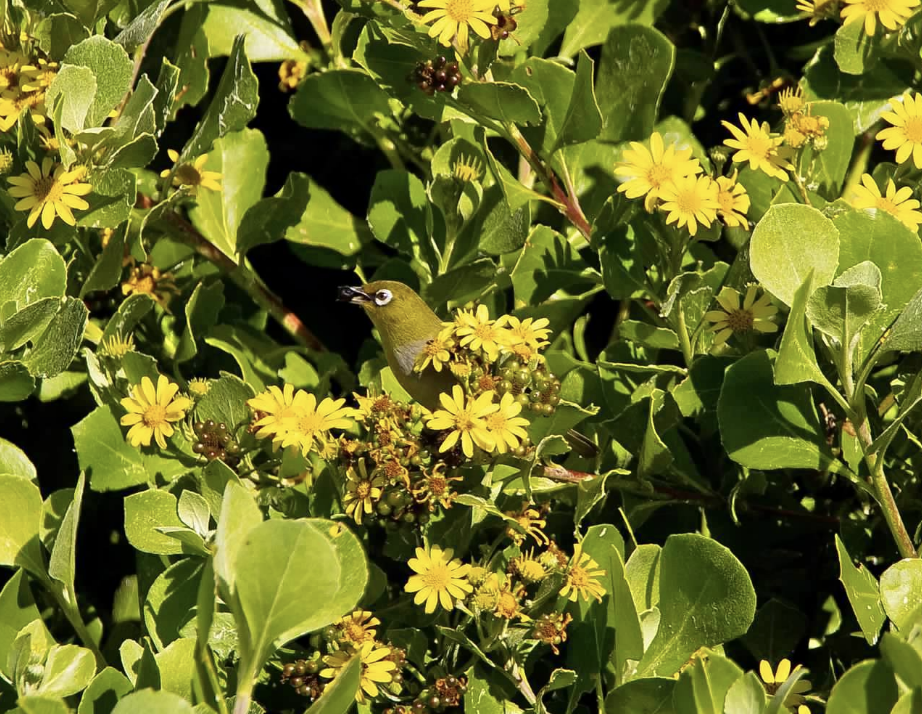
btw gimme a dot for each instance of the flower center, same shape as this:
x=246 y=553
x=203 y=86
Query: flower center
x=885 y=204
x=459 y=10
x=913 y=130
x=437 y=485
x=496 y=421
x=486 y=333
x=188 y=175
x=309 y=423
x=438 y=577
x=48 y=190
x=740 y=320
x=578 y=577
x=507 y=606
x=688 y=202
x=354 y=632
x=658 y=175
x=759 y=145
x=145 y=285
x=434 y=347
x=154 y=416
x=464 y=421
x=725 y=200
x=363 y=490
x=876 y=5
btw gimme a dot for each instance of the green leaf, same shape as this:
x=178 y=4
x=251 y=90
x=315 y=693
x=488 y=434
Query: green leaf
x=20 y=520
x=143 y=26
x=502 y=101
x=530 y=23
x=17 y=609
x=867 y=688
x=878 y=237
x=776 y=631
x=790 y=241
x=863 y=593
x=102 y=452
x=231 y=109
x=89 y=10
x=340 y=99
x=147 y=511
x=906 y=333
x=69 y=669
x=176 y=675
x=642 y=571
x=651 y=695
x=831 y=164
x=27 y=324
x=202 y=311
x=113 y=70
x=153 y=702
x=796 y=361
x=241 y=158
x=15 y=382
x=842 y=309
x=36 y=704
x=33 y=271
x=552 y=86
x=114 y=194
x=239 y=516
x=276 y=574
x=397 y=211
x=703 y=685
x=596 y=18
x=62 y=564
x=13 y=461
x=854 y=51
x=269 y=219
x=583 y=120
x=171 y=600
x=462 y=284
x=56 y=33
x=269 y=35
x=75 y=87
x=648 y=335
x=546 y=264
x=226 y=402
x=326 y=224
x=746 y=696
x=498 y=230
x=104 y=691
x=56 y=348
x=108 y=269
x=339 y=695
x=901 y=591
x=706 y=599
x=769 y=426
x=635 y=67
x=903 y=657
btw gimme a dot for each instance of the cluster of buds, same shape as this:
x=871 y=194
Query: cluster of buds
x=214 y=441
x=444 y=694
x=800 y=126
x=533 y=386
x=302 y=676
x=438 y=75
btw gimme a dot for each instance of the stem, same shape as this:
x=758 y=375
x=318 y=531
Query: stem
x=313 y=10
x=859 y=164
x=684 y=341
x=247 y=279
x=799 y=182
x=69 y=606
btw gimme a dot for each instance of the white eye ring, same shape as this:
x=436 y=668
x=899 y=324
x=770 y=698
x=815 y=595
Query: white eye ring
x=383 y=297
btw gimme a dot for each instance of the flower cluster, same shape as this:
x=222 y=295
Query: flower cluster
x=668 y=178
x=24 y=80
x=801 y=127
x=892 y=14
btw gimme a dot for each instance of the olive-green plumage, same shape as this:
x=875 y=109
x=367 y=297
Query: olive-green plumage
x=406 y=323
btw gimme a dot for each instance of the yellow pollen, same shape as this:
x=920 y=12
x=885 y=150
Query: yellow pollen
x=913 y=130
x=437 y=485
x=725 y=200
x=578 y=577
x=463 y=421
x=485 y=332
x=496 y=421
x=310 y=422
x=145 y=285
x=154 y=416
x=48 y=189
x=438 y=577
x=434 y=347
x=740 y=320
x=687 y=202
x=885 y=204
x=363 y=490
x=658 y=174
x=877 y=5
x=759 y=145
x=459 y=10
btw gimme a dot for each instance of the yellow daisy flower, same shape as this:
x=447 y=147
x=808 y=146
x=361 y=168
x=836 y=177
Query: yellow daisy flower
x=774 y=680
x=689 y=201
x=733 y=201
x=311 y=422
x=531 y=522
x=791 y=101
x=117 y=346
x=147 y=279
x=751 y=315
x=467 y=169
x=436 y=352
x=455 y=18
x=376 y=669
x=150 y=411
x=465 y=417
x=582 y=577
x=648 y=170
x=891 y=13
x=276 y=411
x=38 y=77
x=13 y=103
x=756 y=144
x=49 y=191
x=479 y=333
x=192 y=176
x=818 y=9
x=529 y=331
x=906 y=133
x=363 y=491
x=897 y=203
x=357 y=627
x=505 y=425
x=439 y=580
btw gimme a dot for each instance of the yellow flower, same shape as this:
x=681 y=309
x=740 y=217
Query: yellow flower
x=533 y=333
x=649 y=170
x=582 y=577
x=13 y=103
x=150 y=412
x=311 y=422
x=363 y=491
x=751 y=315
x=198 y=387
x=117 y=346
x=529 y=519
x=897 y=202
x=50 y=191
x=759 y=147
x=467 y=169
x=906 y=133
x=149 y=280
x=505 y=425
x=465 y=417
x=38 y=77
x=774 y=680
x=436 y=352
x=733 y=201
x=791 y=101
x=376 y=669
x=690 y=201
x=507 y=605
x=6 y=160
x=357 y=627
x=291 y=72
x=528 y=568
x=818 y=9
x=479 y=333
x=439 y=580
x=276 y=411
x=891 y=13
x=457 y=17
x=192 y=176
x=802 y=126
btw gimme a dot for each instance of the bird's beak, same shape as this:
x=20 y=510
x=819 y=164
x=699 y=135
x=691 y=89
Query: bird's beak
x=356 y=296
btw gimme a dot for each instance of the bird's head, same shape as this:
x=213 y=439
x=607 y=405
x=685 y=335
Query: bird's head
x=400 y=315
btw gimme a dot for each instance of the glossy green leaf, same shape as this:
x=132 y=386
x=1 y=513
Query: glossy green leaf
x=339 y=99
x=69 y=669
x=903 y=657
x=112 y=68
x=14 y=461
x=796 y=361
x=57 y=346
x=239 y=515
x=906 y=333
x=501 y=101
x=269 y=35
x=17 y=609
x=703 y=685
x=901 y=591
x=102 y=452
x=863 y=594
x=20 y=520
x=101 y=696
x=867 y=688
x=596 y=18
x=15 y=381
x=706 y=598
x=583 y=120
x=650 y=695
x=830 y=165
x=271 y=219
x=854 y=51
x=226 y=402
x=842 y=309
x=642 y=571
x=144 y=513
x=326 y=224
x=33 y=271
x=62 y=564
x=171 y=600
x=776 y=631
x=153 y=702
x=75 y=88
x=745 y=696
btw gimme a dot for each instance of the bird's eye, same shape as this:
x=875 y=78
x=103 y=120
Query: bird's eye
x=383 y=297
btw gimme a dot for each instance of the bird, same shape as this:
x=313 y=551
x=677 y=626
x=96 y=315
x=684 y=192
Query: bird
x=406 y=324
